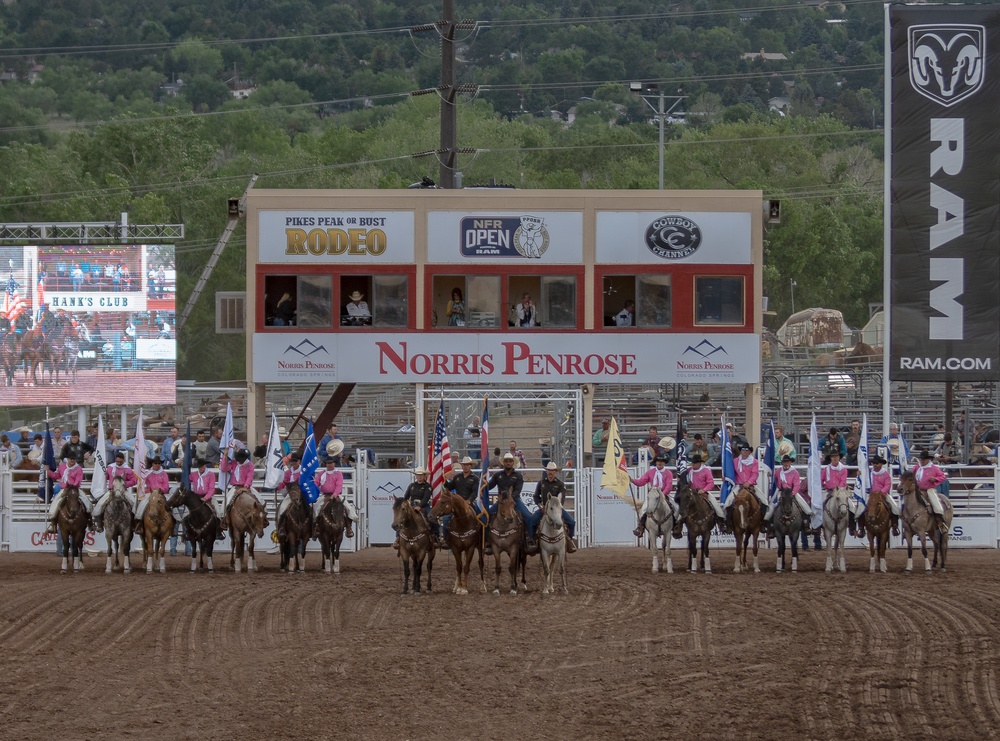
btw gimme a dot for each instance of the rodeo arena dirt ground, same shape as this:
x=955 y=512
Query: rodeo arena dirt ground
x=627 y=654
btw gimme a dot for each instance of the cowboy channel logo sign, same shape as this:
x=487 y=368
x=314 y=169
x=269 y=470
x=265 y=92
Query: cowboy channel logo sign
x=524 y=236
x=673 y=237
x=947 y=61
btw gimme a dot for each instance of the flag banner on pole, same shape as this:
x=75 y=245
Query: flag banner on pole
x=14 y=304
x=813 y=477
x=440 y=455
x=310 y=462
x=187 y=460
x=681 y=452
x=226 y=447
x=99 y=480
x=482 y=513
x=48 y=463
x=139 y=453
x=615 y=477
x=863 y=482
x=728 y=464
x=771 y=459
x=274 y=465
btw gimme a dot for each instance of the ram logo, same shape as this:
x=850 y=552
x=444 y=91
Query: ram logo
x=947 y=61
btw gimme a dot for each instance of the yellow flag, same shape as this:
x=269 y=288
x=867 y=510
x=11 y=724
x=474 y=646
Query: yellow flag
x=615 y=475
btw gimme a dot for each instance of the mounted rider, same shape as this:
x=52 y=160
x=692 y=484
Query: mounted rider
x=659 y=477
x=330 y=482
x=465 y=485
x=929 y=477
x=510 y=479
x=788 y=478
x=293 y=472
x=552 y=486
x=833 y=476
x=241 y=473
x=418 y=494
x=115 y=470
x=69 y=473
x=156 y=478
x=882 y=483
x=203 y=483
x=703 y=483
x=747 y=472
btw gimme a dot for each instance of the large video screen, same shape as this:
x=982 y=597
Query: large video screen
x=82 y=324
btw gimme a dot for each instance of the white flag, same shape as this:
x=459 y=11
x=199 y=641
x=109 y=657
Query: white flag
x=99 y=481
x=864 y=480
x=274 y=468
x=139 y=454
x=226 y=447
x=813 y=476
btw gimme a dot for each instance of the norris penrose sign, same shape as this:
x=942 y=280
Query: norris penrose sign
x=548 y=357
x=944 y=194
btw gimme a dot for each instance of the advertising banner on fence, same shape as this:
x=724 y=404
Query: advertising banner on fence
x=382 y=487
x=944 y=193
x=549 y=357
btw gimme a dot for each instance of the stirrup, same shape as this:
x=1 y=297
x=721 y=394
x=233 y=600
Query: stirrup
x=571 y=546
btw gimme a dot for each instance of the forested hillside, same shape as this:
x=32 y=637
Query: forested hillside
x=165 y=108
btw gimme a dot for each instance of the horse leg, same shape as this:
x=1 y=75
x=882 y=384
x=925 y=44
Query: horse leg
x=111 y=543
x=829 y=549
x=780 y=566
x=706 y=539
x=561 y=560
x=251 y=561
x=406 y=573
x=457 y=588
x=651 y=539
x=944 y=547
x=795 y=553
x=909 y=552
x=147 y=549
x=692 y=552
x=512 y=570
x=546 y=573
x=665 y=533
x=740 y=546
x=923 y=551
x=496 y=564
x=238 y=552
x=841 y=560
x=871 y=551
x=163 y=553
x=883 y=539
x=418 y=563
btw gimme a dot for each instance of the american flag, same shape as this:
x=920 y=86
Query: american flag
x=14 y=305
x=440 y=455
x=482 y=504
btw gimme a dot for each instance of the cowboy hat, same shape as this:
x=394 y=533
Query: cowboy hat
x=552 y=466
x=334 y=448
x=667 y=442
x=508 y=457
x=545 y=441
x=419 y=471
x=467 y=461
x=925 y=454
x=282 y=431
x=786 y=458
x=356 y=296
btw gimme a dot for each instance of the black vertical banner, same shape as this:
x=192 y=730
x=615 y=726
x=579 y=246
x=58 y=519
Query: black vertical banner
x=944 y=205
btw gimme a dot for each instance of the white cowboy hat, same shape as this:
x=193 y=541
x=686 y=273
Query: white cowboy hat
x=467 y=461
x=545 y=441
x=552 y=466
x=667 y=442
x=334 y=448
x=507 y=456
x=282 y=431
x=419 y=470
x=356 y=296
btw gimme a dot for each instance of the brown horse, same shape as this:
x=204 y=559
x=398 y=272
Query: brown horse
x=464 y=535
x=330 y=527
x=34 y=352
x=918 y=520
x=157 y=527
x=416 y=543
x=297 y=530
x=246 y=521
x=507 y=535
x=699 y=517
x=748 y=518
x=877 y=524
x=73 y=519
x=10 y=356
x=201 y=526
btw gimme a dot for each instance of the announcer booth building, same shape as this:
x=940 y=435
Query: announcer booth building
x=689 y=260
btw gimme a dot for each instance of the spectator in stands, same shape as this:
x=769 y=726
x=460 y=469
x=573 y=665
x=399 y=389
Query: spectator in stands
x=75 y=448
x=92 y=436
x=212 y=452
x=200 y=444
x=36 y=452
x=177 y=451
x=331 y=435
x=715 y=447
x=545 y=449
x=699 y=445
x=473 y=436
x=626 y=317
x=851 y=455
x=518 y=455
x=938 y=436
x=14 y=452
x=948 y=453
x=836 y=440
x=166 y=452
x=495 y=458
x=652 y=441
x=600 y=439
x=785 y=446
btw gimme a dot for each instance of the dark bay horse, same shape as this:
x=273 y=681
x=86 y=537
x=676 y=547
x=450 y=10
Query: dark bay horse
x=699 y=517
x=297 y=530
x=117 y=519
x=330 y=526
x=464 y=535
x=416 y=543
x=72 y=519
x=507 y=535
x=919 y=521
x=246 y=524
x=748 y=518
x=787 y=521
x=10 y=356
x=877 y=523
x=201 y=526
x=157 y=527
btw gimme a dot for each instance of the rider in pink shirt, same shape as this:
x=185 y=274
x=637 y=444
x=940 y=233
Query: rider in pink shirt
x=203 y=481
x=120 y=469
x=331 y=484
x=929 y=477
x=157 y=478
x=240 y=472
x=659 y=477
x=747 y=470
x=834 y=474
x=67 y=474
x=292 y=474
x=881 y=483
x=702 y=482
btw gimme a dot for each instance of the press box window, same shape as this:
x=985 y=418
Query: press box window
x=718 y=300
x=466 y=301
x=374 y=300
x=542 y=301
x=637 y=301
x=298 y=301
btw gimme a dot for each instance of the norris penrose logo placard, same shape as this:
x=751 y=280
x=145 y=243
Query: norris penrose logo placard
x=706 y=358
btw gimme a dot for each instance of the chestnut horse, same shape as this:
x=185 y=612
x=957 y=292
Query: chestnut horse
x=246 y=524
x=72 y=518
x=296 y=532
x=748 y=517
x=330 y=528
x=507 y=535
x=699 y=516
x=416 y=543
x=918 y=520
x=877 y=524
x=201 y=526
x=157 y=527
x=464 y=535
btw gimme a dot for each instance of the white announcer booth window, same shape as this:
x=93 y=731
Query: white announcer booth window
x=637 y=301
x=719 y=299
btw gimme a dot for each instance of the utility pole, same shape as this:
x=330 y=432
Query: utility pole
x=661 y=111
x=449 y=117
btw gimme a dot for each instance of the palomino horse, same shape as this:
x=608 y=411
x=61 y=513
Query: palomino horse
x=787 y=522
x=330 y=526
x=877 y=524
x=507 y=536
x=659 y=524
x=246 y=524
x=117 y=518
x=836 y=514
x=157 y=527
x=72 y=519
x=464 y=535
x=297 y=530
x=699 y=517
x=201 y=526
x=416 y=543
x=748 y=517
x=920 y=521
x=552 y=544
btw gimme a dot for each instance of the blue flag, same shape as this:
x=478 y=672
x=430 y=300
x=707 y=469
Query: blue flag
x=482 y=502
x=728 y=466
x=310 y=462
x=186 y=465
x=771 y=457
x=49 y=461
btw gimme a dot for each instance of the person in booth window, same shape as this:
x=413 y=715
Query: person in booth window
x=284 y=312
x=626 y=317
x=358 y=313
x=526 y=312
x=455 y=310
